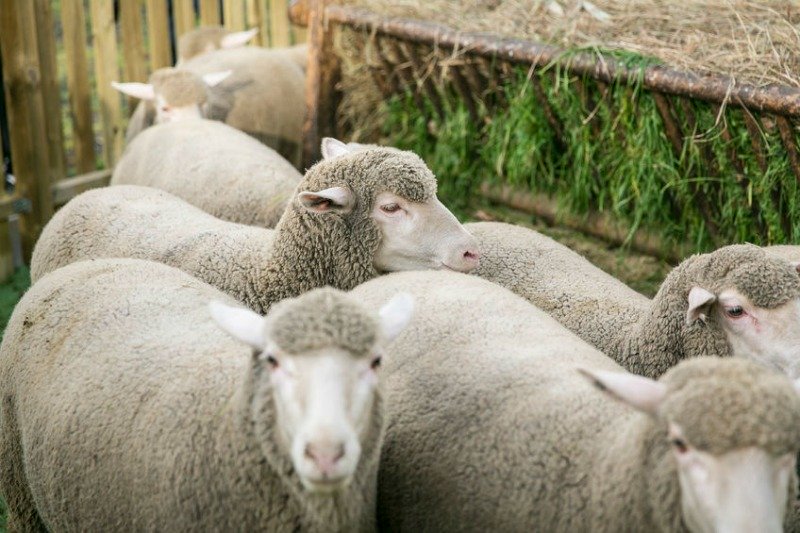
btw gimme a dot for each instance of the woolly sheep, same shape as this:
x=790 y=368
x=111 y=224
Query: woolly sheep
x=355 y=215
x=491 y=427
x=209 y=38
x=154 y=419
x=178 y=94
x=212 y=166
x=736 y=301
x=263 y=97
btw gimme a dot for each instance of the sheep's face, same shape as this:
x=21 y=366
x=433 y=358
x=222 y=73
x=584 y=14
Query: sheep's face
x=421 y=235
x=741 y=490
x=316 y=378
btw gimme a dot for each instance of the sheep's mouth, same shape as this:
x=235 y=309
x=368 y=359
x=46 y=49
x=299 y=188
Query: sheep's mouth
x=325 y=485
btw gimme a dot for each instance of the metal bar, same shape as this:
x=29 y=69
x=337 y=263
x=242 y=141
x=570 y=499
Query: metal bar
x=427 y=85
x=463 y=90
x=552 y=119
x=780 y=100
x=406 y=76
x=785 y=129
x=388 y=68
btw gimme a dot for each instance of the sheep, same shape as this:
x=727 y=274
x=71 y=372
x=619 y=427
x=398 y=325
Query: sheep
x=212 y=166
x=177 y=94
x=492 y=427
x=354 y=216
x=209 y=38
x=263 y=97
x=155 y=419
x=738 y=300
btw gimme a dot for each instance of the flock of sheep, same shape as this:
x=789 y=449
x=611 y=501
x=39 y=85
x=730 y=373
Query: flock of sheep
x=371 y=362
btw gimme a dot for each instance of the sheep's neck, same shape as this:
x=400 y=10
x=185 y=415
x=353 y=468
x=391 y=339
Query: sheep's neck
x=634 y=482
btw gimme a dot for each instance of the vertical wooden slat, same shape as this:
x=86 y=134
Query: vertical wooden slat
x=104 y=44
x=234 y=15
x=279 y=34
x=23 y=93
x=133 y=44
x=158 y=27
x=183 y=16
x=256 y=18
x=209 y=13
x=322 y=76
x=51 y=94
x=73 y=22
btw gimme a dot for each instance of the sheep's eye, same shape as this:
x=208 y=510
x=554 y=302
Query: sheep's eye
x=679 y=445
x=375 y=363
x=735 y=311
x=272 y=362
x=390 y=208
x=165 y=109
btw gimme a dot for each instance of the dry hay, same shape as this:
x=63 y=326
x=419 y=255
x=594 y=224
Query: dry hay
x=753 y=41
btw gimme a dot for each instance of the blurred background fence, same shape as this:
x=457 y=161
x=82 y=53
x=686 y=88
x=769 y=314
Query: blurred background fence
x=62 y=126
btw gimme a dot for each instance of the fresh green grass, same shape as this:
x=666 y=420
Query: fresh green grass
x=10 y=293
x=614 y=156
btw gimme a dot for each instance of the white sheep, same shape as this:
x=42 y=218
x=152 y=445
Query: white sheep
x=354 y=216
x=212 y=166
x=492 y=427
x=739 y=300
x=209 y=38
x=263 y=97
x=126 y=408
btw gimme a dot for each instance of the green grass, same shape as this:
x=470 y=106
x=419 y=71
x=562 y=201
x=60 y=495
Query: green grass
x=613 y=156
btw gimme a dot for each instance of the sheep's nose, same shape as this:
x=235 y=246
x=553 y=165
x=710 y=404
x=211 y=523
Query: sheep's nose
x=464 y=258
x=325 y=455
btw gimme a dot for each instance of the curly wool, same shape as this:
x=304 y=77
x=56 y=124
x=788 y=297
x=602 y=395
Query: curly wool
x=490 y=427
x=212 y=166
x=321 y=318
x=179 y=87
x=153 y=418
x=646 y=337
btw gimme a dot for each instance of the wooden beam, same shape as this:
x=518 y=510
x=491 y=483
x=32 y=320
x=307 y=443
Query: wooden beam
x=279 y=32
x=209 y=13
x=66 y=190
x=51 y=92
x=183 y=16
x=158 y=25
x=322 y=76
x=23 y=93
x=233 y=11
x=257 y=18
x=104 y=38
x=133 y=46
x=73 y=22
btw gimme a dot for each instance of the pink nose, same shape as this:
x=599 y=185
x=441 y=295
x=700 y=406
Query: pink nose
x=325 y=456
x=467 y=260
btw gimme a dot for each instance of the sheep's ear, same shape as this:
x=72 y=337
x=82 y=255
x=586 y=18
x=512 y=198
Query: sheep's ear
x=639 y=392
x=396 y=314
x=239 y=38
x=338 y=199
x=215 y=78
x=240 y=323
x=142 y=91
x=332 y=148
x=699 y=300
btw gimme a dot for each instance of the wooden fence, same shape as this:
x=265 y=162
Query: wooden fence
x=66 y=123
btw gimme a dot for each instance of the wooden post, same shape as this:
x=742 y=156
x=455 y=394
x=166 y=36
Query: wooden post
x=73 y=22
x=256 y=18
x=104 y=40
x=234 y=15
x=158 y=25
x=51 y=94
x=322 y=76
x=183 y=16
x=23 y=93
x=133 y=45
x=209 y=13
x=279 y=34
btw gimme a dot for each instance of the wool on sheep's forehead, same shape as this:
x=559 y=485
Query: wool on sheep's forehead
x=322 y=318
x=766 y=281
x=195 y=42
x=375 y=171
x=179 y=87
x=724 y=404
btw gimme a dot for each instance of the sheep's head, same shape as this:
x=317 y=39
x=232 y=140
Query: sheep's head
x=755 y=299
x=209 y=38
x=729 y=429
x=177 y=94
x=319 y=356
x=394 y=192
